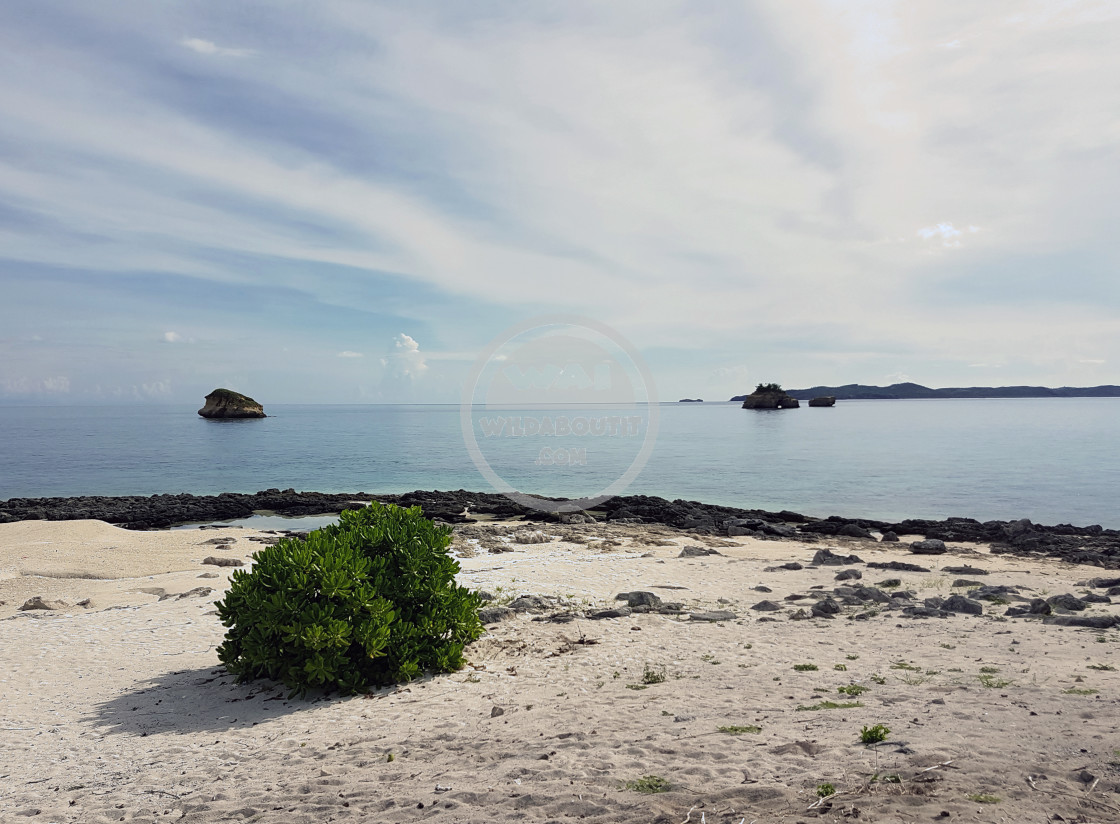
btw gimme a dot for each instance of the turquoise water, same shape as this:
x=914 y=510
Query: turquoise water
x=1053 y=460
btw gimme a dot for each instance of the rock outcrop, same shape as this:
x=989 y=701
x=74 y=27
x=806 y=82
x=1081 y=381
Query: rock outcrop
x=224 y=403
x=770 y=396
x=823 y=400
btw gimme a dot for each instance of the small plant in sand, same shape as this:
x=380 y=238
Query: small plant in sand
x=992 y=682
x=1102 y=667
x=825 y=790
x=830 y=705
x=852 y=657
x=648 y=784
x=654 y=676
x=873 y=735
x=878 y=679
x=1080 y=691
x=852 y=690
x=840 y=667
x=805 y=667
x=984 y=798
x=735 y=729
x=369 y=600
x=902 y=665
x=989 y=670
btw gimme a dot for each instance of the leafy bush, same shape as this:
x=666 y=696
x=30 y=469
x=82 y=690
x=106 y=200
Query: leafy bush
x=873 y=735
x=764 y=388
x=371 y=600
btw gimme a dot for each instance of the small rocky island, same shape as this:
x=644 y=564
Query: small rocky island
x=691 y=400
x=770 y=396
x=823 y=400
x=227 y=404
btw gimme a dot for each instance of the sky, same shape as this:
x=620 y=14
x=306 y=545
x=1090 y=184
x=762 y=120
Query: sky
x=348 y=201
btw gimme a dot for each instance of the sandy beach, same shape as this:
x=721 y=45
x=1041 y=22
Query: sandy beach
x=117 y=709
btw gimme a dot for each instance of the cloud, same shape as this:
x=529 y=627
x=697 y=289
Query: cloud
x=952 y=45
x=208 y=47
x=1092 y=361
x=404 y=363
x=346 y=353
x=172 y=337
x=58 y=385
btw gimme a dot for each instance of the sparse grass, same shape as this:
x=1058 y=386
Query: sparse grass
x=948 y=646
x=653 y=676
x=840 y=667
x=852 y=690
x=873 y=735
x=878 y=679
x=852 y=657
x=637 y=686
x=648 y=784
x=989 y=670
x=1080 y=691
x=991 y=682
x=666 y=712
x=984 y=798
x=913 y=679
x=825 y=790
x=902 y=665
x=709 y=658
x=1102 y=667
x=830 y=705
x=734 y=729
x=805 y=667
x=892 y=778
x=616 y=674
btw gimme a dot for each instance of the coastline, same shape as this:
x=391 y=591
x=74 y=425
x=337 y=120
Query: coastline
x=119 y=709
x=1077 y=544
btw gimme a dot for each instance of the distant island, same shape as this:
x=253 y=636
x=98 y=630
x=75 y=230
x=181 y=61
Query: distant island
x=691 y=400
x=907 y=391
x=227 y=404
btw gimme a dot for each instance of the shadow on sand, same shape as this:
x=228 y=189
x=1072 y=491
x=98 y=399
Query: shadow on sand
x=196 y=700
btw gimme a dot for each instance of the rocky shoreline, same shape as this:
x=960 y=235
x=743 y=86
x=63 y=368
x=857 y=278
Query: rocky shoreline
x=1083 y=545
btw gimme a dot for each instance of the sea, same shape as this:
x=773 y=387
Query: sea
x=1053 y=460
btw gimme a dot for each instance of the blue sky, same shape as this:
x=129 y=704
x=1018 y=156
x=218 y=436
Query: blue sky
x=347 y=201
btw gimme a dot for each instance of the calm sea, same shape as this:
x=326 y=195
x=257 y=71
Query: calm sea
x=1053 y=460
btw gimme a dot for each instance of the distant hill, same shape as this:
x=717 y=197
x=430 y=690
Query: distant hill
x=906 y=391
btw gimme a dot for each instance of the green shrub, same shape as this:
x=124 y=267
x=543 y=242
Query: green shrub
x=370 y=600
x=764 y=388
x=873 y=735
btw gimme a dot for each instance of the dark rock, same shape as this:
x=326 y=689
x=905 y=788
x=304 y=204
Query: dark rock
x=792 y=566
x=889 y=538
x=37 y=602
x=1038 y=607
x=485 y=597
x=492 y=615
x=696 y=552
x=222 y=562
x=496 y=711
x=533 y=603
x=766 y=606
x=1113 y=591
x=1090 y=621
x=823 y=400
x=924 y=612
x=897 y=566
x=964 y=582
x=761 y=588
x=826 y=608
x=1101 y=583
x=639 y=599
x=619 y=612
x=826 y=557
x=964 y=570
x=958 y=603
x=849 y=575
x=1094 y=598
x=714 y=615
x=999 y=593
x=930 y=546
x=934 y=602
x=890 y=582
x=670 y=608
x=1067 y=601
x=1017 y=529
x=854 y=531
x=226 y=404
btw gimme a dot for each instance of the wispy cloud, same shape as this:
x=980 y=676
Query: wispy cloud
x=346 y=353
x=172 y=337
x=201 y=46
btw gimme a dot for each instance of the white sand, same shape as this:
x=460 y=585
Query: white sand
x=119 y=711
